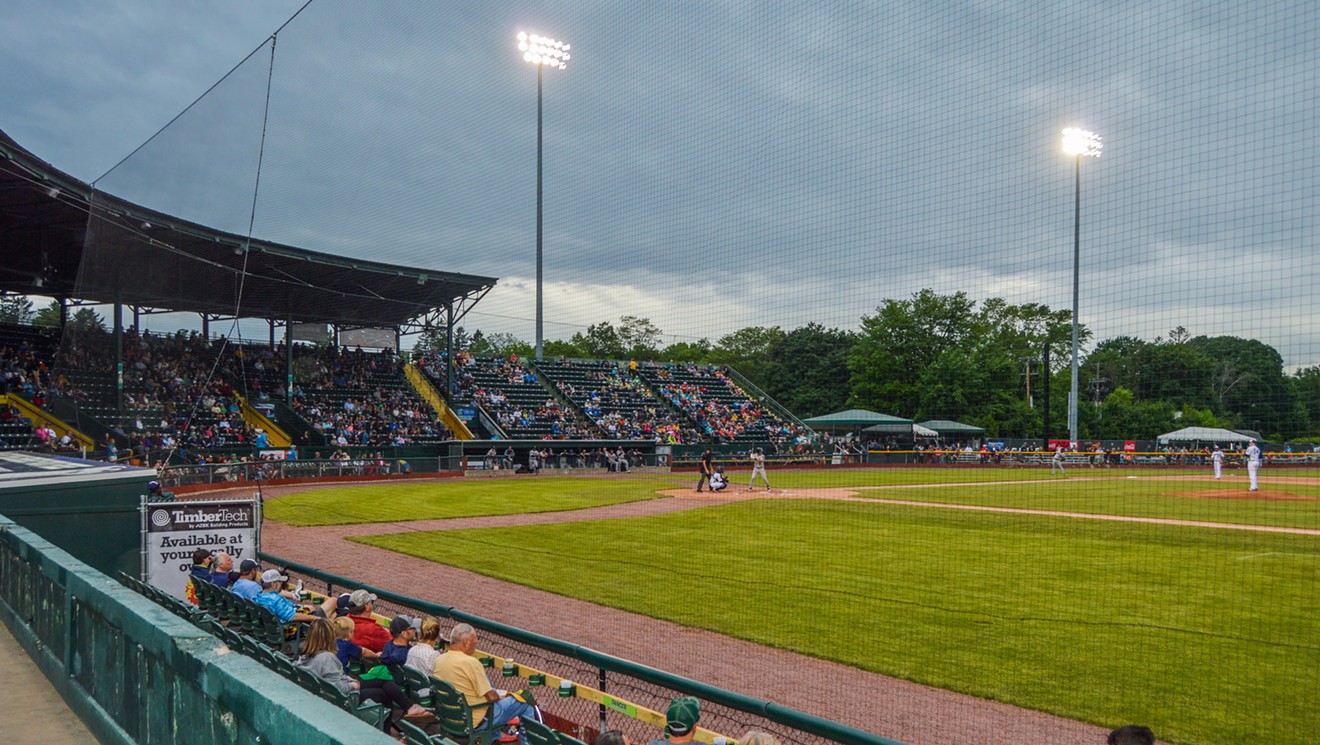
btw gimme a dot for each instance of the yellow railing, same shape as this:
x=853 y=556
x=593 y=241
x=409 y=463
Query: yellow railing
x=276 y=437
x=40 y=416
x=437 y=402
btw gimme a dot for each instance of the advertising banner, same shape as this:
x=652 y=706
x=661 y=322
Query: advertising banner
x=171 y=531
x=1129 y=446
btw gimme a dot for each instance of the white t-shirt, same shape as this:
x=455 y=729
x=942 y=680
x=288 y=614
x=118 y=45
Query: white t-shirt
x=422 y=657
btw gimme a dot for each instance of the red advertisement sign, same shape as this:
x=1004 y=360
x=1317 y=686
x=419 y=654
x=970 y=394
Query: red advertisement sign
x=1129 y=446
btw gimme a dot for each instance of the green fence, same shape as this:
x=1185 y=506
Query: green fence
x=135 y=673
x=722 y=711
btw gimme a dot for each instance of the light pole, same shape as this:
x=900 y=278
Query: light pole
x=540 y=51
x=1077 y=143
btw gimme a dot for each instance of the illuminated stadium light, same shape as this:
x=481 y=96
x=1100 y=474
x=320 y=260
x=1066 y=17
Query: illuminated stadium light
x=1077 y=143
x=543 y=52
x=1081 y=142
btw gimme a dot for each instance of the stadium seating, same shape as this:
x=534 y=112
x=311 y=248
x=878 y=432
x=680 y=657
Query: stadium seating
x=720 y=410
x=521 y=404
x=622 y=405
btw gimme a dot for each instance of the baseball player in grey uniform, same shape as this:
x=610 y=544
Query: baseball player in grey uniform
x=1253 y=464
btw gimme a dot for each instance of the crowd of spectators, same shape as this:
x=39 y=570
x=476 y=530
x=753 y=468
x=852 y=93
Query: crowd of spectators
x=623 y=406
x=722 y=411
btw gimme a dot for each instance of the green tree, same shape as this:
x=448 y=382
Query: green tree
x=803 y=369
x=85 y=319
x=49 y=316
x=601 y=340
x=16 y=309
x=688 y=351
x=639 y=338
x=748 y=350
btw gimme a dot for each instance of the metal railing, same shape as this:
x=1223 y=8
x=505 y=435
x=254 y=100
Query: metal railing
x=271 y=470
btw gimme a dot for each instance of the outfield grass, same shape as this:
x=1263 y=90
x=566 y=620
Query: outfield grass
x=1209 y=636
x=1142 y=497
x=398 y=501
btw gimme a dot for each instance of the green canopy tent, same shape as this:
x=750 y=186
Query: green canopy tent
x=949 y=430
x=857 y=420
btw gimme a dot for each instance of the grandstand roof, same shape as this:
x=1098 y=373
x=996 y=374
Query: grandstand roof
x=62 y=238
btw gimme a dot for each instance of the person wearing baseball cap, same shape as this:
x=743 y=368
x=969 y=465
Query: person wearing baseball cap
x=272 y=581
x=404 y=631
x=367 y=632
x=680 y=722
x=246 y=586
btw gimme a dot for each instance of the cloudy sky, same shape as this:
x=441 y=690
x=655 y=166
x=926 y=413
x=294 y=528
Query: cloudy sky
x=712 y=165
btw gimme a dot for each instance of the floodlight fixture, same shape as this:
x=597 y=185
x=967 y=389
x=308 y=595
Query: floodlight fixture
x=1081 y=142
x=543 y=51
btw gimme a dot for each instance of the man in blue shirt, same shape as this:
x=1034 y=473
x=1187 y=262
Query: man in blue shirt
x=404 y=629
x=246 y=586
x=283 y=608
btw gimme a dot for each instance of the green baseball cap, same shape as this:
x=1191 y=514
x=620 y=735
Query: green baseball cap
x=682 y=715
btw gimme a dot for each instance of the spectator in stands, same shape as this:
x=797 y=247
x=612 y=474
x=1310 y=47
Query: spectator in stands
x=246 y=585
x=680 y=722
x=612 y=737
x=1132 y=734
x=756 y=737
x=319 y=655
x=201 y=564
x=707 y=468
x=272 y=582
x=221 y=570
x=348 y=652
x=403 y=632
x=367 y=633
x=458 y=667
x=423 y=654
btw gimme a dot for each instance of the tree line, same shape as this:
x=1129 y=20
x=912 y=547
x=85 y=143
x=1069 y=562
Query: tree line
x=947 y=356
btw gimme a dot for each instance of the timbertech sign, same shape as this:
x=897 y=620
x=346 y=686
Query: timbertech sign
x=174 y=530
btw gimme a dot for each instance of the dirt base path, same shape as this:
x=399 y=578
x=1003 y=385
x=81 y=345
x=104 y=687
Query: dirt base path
x=912 y=713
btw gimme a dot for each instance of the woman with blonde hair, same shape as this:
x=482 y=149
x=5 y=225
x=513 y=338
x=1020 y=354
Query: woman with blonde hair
x=323 y=646
x=421 y=656
x=756 y=737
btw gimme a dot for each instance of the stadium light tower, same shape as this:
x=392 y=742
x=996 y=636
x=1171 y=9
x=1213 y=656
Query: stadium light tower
x=1077 y=143
x=543 y=52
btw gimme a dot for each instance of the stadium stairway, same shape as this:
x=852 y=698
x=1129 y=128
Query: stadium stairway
x=432 y=397
x=41 y=416
x=276 y=436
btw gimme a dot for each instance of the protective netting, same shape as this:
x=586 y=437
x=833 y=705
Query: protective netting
x=854 y=206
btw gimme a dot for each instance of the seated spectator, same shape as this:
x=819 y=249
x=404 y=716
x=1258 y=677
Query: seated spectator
x=756 y=737
x=612 y=737
x=422 y=655
x=272 y=599
x=680 y=722
x=367 y=633
x=221 y=570
x=349 y=653
x=1132 y=734
x=200 y=572
x=320 y=657
x=490 y=708
x=403 y=630
x=246 y=585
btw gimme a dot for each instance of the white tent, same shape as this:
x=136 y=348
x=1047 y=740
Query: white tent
x=1203 y=434
x=920 y=431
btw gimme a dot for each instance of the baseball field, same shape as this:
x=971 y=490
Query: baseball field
x=1109 y=597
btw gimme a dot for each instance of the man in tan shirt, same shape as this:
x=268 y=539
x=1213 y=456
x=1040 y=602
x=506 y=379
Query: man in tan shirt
x=458 y=667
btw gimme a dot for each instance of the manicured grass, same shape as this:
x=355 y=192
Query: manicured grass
x=1149 y=496
x=1208 y=636
x=444 y=499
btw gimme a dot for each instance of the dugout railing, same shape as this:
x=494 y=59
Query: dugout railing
x=587 y=691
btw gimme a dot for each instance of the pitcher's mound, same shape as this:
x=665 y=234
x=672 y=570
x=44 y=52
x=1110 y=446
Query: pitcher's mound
x=1262 y=495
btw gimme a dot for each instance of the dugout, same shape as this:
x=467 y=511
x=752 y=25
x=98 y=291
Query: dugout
x=88 y=508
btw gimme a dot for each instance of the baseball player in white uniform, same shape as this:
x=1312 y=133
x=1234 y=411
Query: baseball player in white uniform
x=758 y=469
x=1217 y=459
x=1056 y=463
x=1253 y=464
